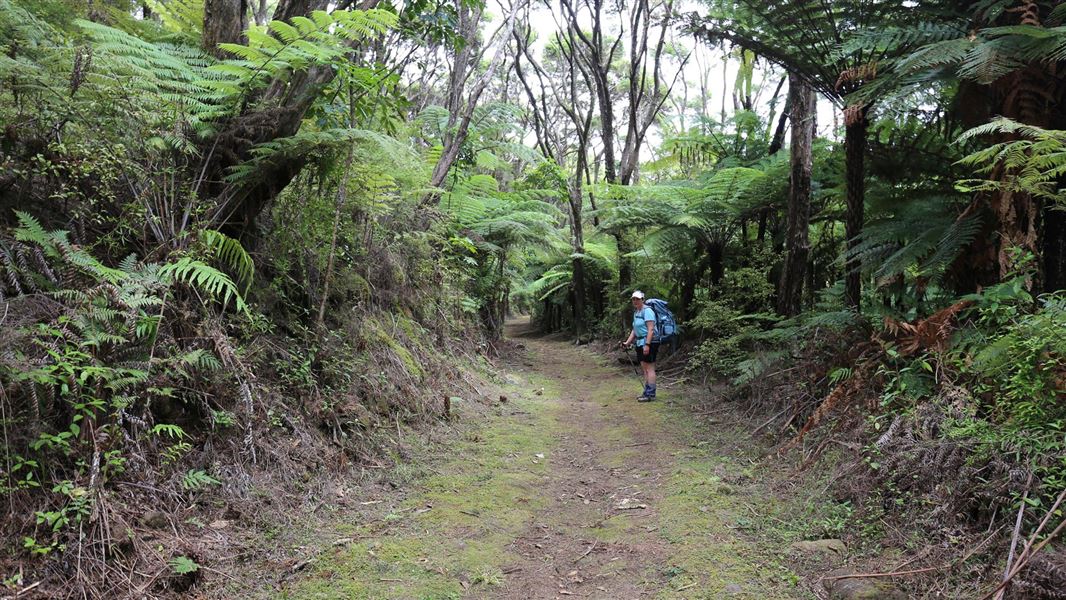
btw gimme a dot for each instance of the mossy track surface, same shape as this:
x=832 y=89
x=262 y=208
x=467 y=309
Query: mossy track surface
x=572 y=489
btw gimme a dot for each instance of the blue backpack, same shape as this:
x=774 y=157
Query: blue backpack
x=665 y=322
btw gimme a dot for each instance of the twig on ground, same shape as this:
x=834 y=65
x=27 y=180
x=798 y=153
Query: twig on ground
x=28 y=588
x=1014 y=536
x=1027 y=554
x=587 y=552
x=770 y=420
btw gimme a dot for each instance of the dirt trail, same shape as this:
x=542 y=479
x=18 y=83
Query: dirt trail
x=572 y=490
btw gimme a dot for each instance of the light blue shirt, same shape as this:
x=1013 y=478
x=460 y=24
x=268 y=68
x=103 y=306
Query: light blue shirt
x=640 y=324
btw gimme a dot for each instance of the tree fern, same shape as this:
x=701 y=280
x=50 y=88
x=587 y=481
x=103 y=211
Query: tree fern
x=181 y=17
x=922 y=238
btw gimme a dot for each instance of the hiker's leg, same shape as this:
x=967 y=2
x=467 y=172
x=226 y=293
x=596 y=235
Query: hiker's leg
x=650 y=372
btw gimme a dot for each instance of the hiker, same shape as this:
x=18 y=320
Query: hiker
x=643 y=333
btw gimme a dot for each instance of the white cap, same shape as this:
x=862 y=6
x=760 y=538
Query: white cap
x=638 y=294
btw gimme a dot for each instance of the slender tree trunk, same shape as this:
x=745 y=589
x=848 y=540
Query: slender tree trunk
x=803 y=102
x=342 y=199
x=261 y=14
x=578 y=264
x=855 y=125
x=625 y=274
x=778 y=140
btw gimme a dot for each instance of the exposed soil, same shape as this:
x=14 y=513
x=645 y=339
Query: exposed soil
x=572 y=489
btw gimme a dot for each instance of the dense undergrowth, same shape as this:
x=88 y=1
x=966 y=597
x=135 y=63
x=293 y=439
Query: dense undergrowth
x=940 y=435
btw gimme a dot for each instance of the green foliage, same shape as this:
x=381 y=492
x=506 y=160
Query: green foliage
x=230 y=253
x=319 y=39
x=729 y=325
x=183 y=565
x=196 y=479
x=202 y=276
x=100 y=364
x=1034 y=160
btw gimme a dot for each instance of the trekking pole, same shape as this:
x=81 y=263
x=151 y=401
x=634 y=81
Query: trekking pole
x=632 y=363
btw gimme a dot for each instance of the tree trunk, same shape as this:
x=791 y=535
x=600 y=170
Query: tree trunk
x=1053 y=250
x=779 y=133
x=798 y=247
x=578 y=265
x=855 y=124
x=224 y=23
x=716 y=253
x=260 y=13
x=625 y=275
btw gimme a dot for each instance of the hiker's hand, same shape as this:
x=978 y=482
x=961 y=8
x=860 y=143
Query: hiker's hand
x=647 y=349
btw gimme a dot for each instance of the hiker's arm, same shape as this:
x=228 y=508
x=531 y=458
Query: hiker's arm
x=651 y=332
x=631 y=338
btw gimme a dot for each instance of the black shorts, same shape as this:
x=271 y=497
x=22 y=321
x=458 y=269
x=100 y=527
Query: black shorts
x=650 y=356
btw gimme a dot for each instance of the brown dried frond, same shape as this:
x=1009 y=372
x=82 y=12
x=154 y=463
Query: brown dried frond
x=853 y=114
x=1029 y=11
x=857 y=74
x=842 y=392
x=931 y=333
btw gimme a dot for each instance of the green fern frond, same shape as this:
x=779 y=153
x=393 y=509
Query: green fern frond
x=206 y=278
x=232 y=254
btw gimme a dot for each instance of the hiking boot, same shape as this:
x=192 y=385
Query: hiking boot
x=645 y=398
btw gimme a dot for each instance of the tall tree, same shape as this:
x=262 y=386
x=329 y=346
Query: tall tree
x=647 y=87
x=461 y=100
x=803 y=102
x=570 y=89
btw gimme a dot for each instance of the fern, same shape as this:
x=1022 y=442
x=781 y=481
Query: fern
x=319 y=39
x=1034 y=164
x=184 y=18
x=192 y=480
x=206 y=278
x=56 y=245
x=200 y=360
x=232 y=254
